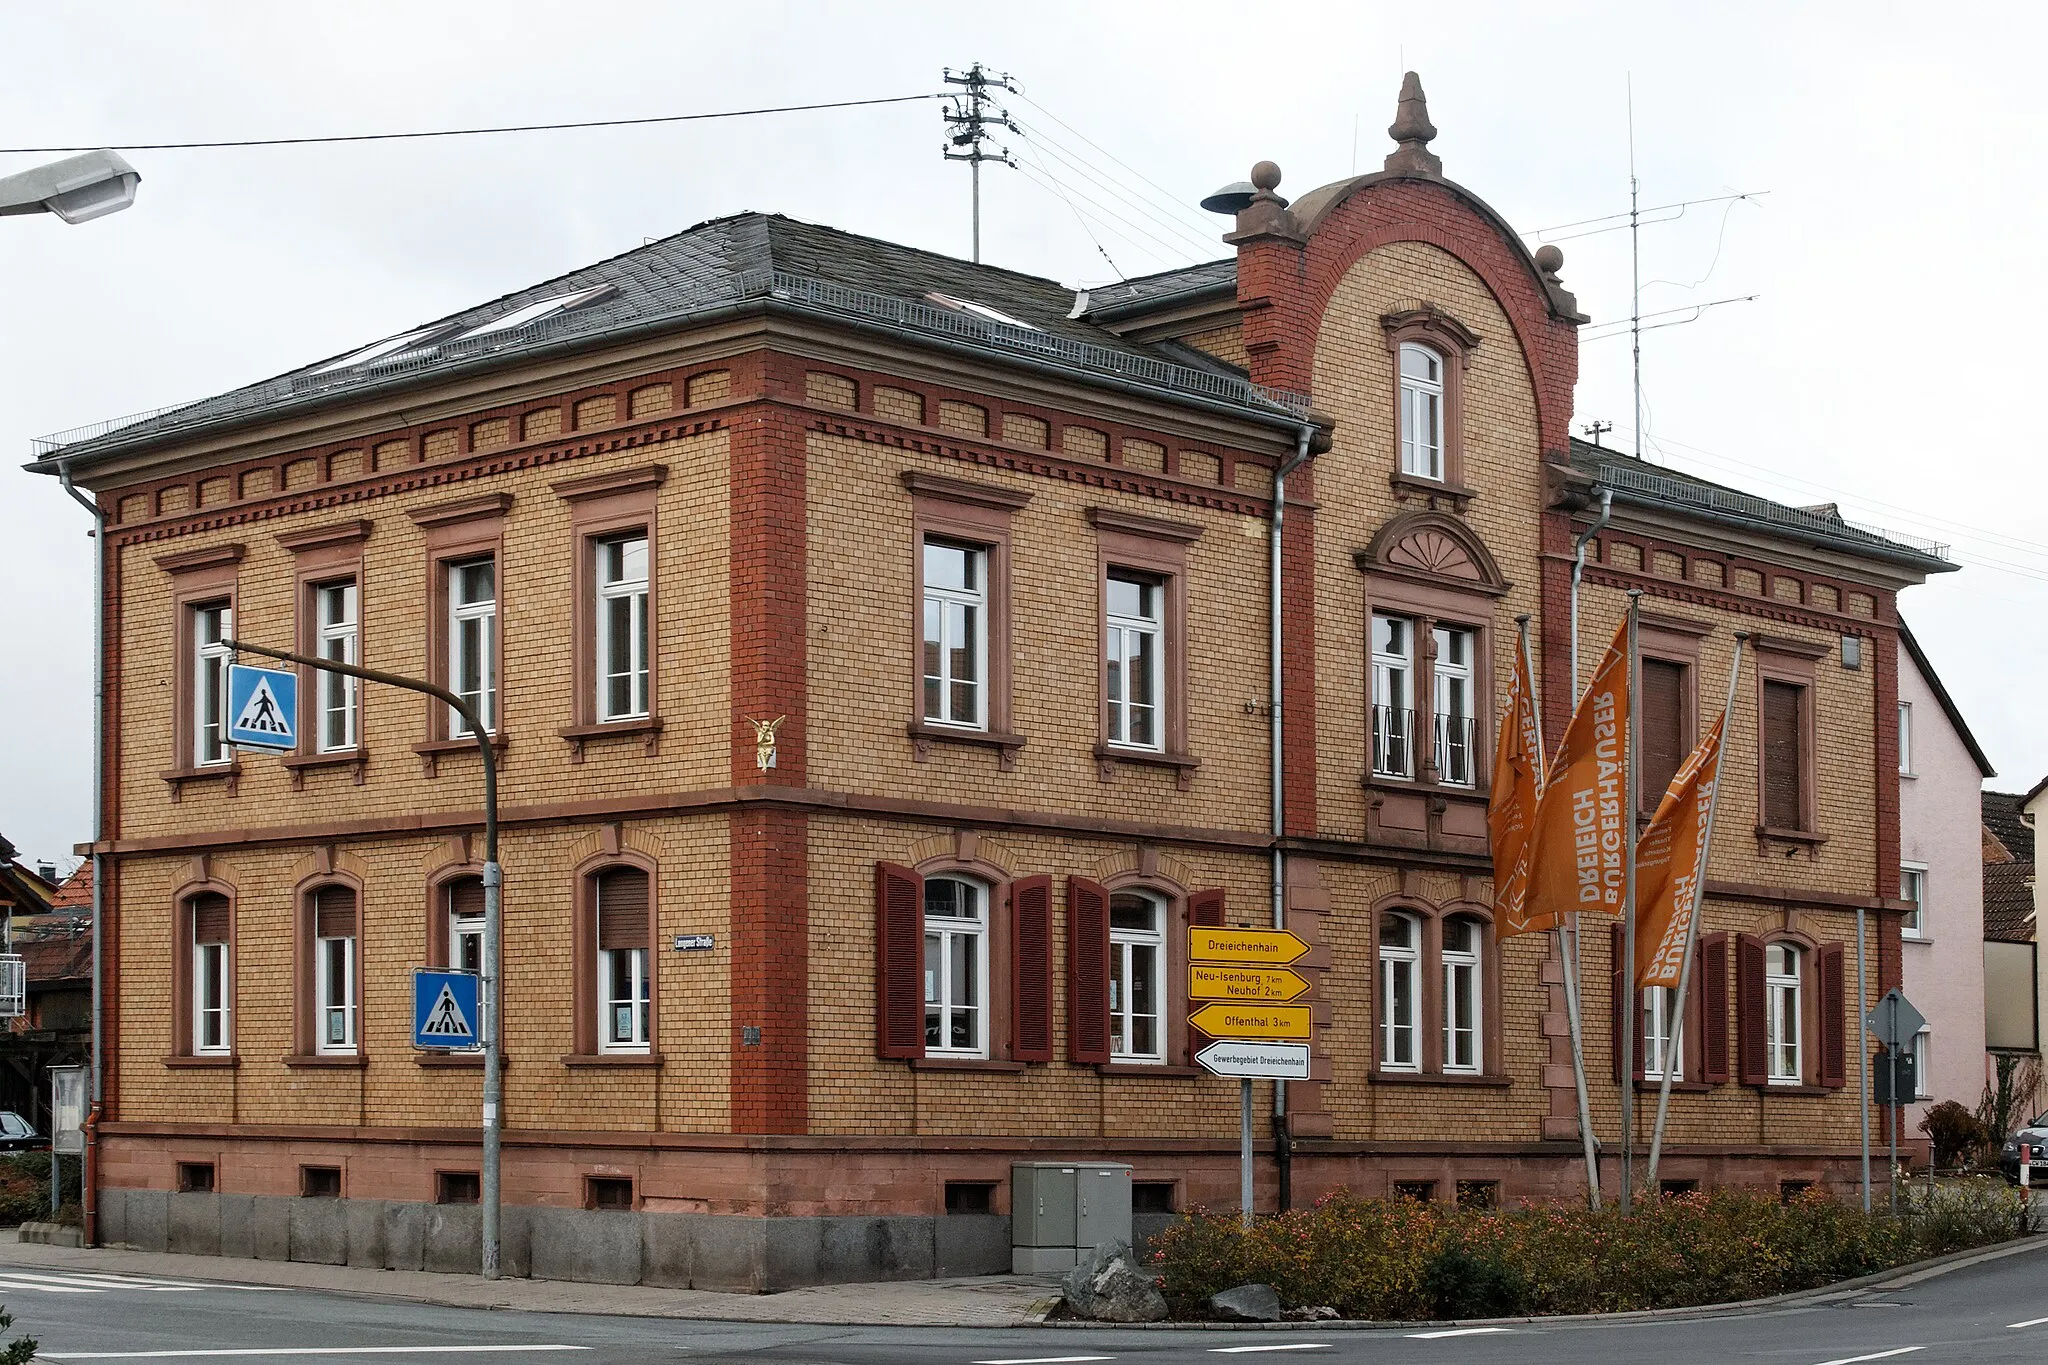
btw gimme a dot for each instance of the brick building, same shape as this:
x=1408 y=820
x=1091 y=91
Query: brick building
x=994 y=560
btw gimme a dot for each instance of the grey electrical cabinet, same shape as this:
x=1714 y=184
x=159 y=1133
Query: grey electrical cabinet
x=1059 y=1209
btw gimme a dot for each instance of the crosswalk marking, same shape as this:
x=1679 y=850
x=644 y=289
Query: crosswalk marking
x=302 y=1351
x=101 y=1282
x=1283 y=1346
x=11 y=1284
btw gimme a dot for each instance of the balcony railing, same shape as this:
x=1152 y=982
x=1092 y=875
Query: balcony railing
x=1393 y=751
x=1455 y=765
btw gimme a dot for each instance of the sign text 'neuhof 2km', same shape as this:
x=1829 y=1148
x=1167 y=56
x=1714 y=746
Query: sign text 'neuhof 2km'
x=1238 y=993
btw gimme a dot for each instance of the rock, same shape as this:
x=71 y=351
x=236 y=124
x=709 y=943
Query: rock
x=1325 y=1313
x=1108 y=1286
x=1246 y=1303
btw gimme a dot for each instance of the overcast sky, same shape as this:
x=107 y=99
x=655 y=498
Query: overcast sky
x=1890 y=363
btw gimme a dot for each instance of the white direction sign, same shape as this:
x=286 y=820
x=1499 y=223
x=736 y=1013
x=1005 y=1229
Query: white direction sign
x=1893 y=1021
x=1255 y=1061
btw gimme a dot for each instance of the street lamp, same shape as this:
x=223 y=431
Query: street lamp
x=77 y=189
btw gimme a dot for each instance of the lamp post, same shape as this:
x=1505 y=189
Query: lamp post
x=79 y=189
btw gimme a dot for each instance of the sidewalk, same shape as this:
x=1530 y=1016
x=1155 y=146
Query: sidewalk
x=981 y=1301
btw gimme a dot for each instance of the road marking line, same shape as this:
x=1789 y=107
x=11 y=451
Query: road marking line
x=1458 y=1332
x=6 y=1283
x=92 y=1283
x=1042 y=1360
x=151 y=1282
x=298 y=1351
x=2030 y=1322
x=1286 y=1346
x=1880 y=1355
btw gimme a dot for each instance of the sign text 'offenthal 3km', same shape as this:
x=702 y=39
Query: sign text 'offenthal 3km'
x=1238 y=989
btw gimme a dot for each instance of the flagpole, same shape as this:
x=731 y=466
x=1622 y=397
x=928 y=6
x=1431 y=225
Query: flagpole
x=1628 y=913
x=1675 y=1045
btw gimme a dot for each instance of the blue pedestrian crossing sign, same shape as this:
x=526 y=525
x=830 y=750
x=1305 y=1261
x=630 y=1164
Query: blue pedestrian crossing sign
x=263 y=707
x=444 y=1010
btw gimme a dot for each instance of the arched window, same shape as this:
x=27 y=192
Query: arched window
x=463 y=905
x=1400 y=991
x=1661 y=1040
x=1463 y=943
x=333 y=913
x=956 y=945
x=1782 y=1012
x=1137 y=952
x=207 y=917
x=625 y=991
x=1422 y=411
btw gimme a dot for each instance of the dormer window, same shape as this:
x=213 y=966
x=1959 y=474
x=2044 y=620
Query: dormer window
x=1422 y=412
x=979 y=310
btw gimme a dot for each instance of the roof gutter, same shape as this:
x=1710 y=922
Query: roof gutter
x=1112 y=312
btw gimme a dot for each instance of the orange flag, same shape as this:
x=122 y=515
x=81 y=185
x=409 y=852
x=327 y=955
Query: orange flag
x=1517 y=783
x=1575 y=846
x=1668 y=860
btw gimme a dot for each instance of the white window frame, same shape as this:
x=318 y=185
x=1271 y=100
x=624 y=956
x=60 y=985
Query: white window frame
x=1906 y=739
x=326 y=1007
x=1387 y=667
x=1128 y=948
x=1125 y=639
x=1784 y=1017
x=941 y=993
x=1923 y=1056
x=1915 y=925
x=1663 y=1033
x=1422 y=405
x=210 y=969
x=461 y=927
x=636 y=999
x=1398 y=962
x=949 y=604
x=632 y=591
x=337 y=636
x=1468 y=964
x=212 y=624
x=1454 y=704
x=483 y=613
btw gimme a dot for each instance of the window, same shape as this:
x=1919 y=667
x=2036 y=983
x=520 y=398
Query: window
x=609 y=1193
x=1422 y=412
x=335 y=638
x=1923 y=1056
x=1671 y=1189
x=979 y=310
x=320 y=1182
x=1132 y=635
x=333 y=909
x=1137 y=950
x=212 y=624
x=1906 y=738
x=1400 y=966
x=195 y=1177
x=1454 y=715
x=1152 y=1196
x=465 y=905
x=534 y=312
x=1662 y=1027
x=622 y=627
x=1913 y=887
x=1852 y=651
x=211 y=989
x=955 y=968
x=1393 y=696
x=1478 y=1194
x=624 y=992
x=457 y=1187
x=971 y=1196
x=472 y=644
x=1415 y=1191
x=955 y=634
x=1789 y=1190
x=1782 y=1016
x=1783 y=744
x=1662 y=730
x=1463 y=940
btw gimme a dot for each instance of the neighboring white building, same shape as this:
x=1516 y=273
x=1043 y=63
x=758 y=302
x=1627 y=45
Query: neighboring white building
x=1941 y=866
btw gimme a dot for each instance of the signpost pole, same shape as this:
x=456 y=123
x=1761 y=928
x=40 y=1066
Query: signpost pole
x=1892 y=1057
x=490 y=1004
x=1244 y=1151
x=1630 y=1021
x=1862 y=994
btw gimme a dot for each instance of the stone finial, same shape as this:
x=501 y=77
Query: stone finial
x=1265 y=214
x=1413 y=130
x=1549 y=261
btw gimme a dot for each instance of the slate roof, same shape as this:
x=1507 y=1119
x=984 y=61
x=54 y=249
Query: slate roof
x=1638 y=481
x=749 y=257
x=1149 y=291
x=2002 y=815
x=2009 y=886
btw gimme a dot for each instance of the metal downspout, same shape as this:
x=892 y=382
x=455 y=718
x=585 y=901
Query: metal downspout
x=1283 y=1153
x=89 y=1194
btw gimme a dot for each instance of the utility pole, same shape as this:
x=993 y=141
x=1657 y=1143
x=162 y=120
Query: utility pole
x=1596 y=430
x=968 y=119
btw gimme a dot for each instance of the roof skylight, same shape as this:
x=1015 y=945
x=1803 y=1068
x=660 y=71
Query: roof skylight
x=419 y=336
x=534 y=312
x=980 y=310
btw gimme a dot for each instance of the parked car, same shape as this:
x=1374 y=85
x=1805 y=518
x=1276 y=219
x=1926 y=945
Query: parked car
x=2034 y=1135
x=17 y=1134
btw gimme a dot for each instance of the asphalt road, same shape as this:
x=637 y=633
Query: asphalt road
x=1996 y=1311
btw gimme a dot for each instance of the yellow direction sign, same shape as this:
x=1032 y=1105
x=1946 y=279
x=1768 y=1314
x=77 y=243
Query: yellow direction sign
x=1267 y=985
x=1221 y=1020
x=1245 y=947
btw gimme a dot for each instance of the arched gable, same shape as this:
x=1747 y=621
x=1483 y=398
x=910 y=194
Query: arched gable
x=1435 y=548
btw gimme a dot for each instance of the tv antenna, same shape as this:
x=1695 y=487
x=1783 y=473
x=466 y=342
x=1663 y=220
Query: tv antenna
x=968 y=120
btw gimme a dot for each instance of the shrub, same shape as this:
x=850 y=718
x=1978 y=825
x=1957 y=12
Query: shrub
x=1955 y=1132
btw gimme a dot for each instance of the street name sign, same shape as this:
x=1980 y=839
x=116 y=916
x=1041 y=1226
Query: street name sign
x=444 y=1010
x=263 y=707
x=1245 y=947
x=1247 y=1023
x=1256 y=1061
x=1893 y=1021
x=1214 y=981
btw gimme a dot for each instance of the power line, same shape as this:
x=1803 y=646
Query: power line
x=1180 y=205
x=1621 y=328
x=1681 y=206
x=1097 y=241
x=1105 y=184
x=468 y=132
x=967 y=123
x=1106 y=219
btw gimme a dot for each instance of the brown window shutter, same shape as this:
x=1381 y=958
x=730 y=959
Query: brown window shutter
x=1784 y=807
x=1662 y=728
x=334 y=912
x=1750 y=1006
x=1713 y=979
x=1833 y=1007
x=1205 y=910
x=1087 y=971
x=209 y=917
x=622 y=908
x=899 y=962
x=466 y=897
x=1031 y=968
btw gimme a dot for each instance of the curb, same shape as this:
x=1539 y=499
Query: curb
x=1901 y=1275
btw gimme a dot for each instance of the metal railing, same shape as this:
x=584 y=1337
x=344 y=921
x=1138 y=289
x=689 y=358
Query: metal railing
x=1762 y=510
x=1393 y=752
x=1455 y=762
